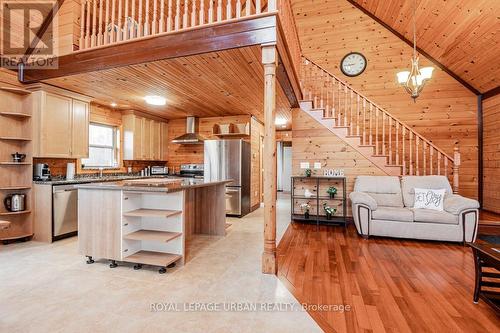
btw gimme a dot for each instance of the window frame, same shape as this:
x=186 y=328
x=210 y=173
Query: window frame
x=116 y=148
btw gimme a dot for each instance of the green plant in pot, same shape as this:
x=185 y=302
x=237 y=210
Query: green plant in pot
x=332 y=191
x=329 y=211
x=305 y=208
x=308 y=172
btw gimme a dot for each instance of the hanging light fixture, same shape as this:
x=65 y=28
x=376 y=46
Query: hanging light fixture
x=414 y=80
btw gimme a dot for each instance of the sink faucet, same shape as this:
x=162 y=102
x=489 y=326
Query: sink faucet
x=100 y=172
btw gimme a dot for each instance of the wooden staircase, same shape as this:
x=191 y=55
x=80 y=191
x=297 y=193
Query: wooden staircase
x=379 y=136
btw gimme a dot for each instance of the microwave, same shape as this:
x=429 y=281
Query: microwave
x=159 y=170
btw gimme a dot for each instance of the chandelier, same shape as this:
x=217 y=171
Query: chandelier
x=414 y=80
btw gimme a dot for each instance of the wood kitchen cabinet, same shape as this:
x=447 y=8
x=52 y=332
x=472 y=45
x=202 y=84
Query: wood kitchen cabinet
x=61 y=125
x=143 y=138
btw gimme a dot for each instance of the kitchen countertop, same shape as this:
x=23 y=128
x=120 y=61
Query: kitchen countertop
x=174 y=185
x=85 y=180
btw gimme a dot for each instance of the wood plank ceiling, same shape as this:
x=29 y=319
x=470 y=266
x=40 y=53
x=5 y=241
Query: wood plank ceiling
x=463 y=35
x=222 y=83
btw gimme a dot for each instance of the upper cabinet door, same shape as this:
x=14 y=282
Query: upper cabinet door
x=137 y=137
x=146 y=139
x=55 y=133
x=156 y=141
x=80 y=124
x=164 y=141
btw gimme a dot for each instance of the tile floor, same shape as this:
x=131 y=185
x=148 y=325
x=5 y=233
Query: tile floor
x=49 y=288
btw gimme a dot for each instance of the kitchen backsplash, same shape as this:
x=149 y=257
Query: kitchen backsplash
x=58 y=166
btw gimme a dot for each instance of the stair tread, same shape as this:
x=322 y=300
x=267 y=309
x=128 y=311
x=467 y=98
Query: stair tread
x=380 y=155
x=367 y=145
x=341 y=126
x=353 y=136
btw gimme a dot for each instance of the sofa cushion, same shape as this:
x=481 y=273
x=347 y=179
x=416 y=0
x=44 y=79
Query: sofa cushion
x=409 y=183
x=386 y=190
x=434 y=216
x=393 y=214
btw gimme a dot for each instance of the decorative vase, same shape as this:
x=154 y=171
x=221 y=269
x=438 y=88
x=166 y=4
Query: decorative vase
x=328 y=216
x=332 y=195
x=306 y=215
x=308 y=193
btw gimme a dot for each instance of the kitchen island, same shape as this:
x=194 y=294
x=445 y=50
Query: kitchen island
x=148 y=221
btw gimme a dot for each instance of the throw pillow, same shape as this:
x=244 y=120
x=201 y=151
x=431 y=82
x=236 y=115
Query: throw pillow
x=429 y=199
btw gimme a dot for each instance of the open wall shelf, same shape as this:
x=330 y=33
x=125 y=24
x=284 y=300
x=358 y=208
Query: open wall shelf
x=16 y=111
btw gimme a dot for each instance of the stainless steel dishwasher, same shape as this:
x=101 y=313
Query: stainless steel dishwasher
x=64 y=211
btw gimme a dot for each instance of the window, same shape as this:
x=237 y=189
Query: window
x=104 y=147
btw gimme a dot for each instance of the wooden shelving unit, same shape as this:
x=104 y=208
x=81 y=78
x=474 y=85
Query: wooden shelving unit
x=153 y=258
x=153 y=229
x=14 y=188
x=15 y=90
x=16 y=111
x=317 y=186
x=152 y=235
x=15 y=213
x=15 y=114
x=15 y=163
x=14 y=138
x=152 y=213
x=231 y=130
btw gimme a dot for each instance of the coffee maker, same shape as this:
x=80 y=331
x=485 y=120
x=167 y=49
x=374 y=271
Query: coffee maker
x=41 y=171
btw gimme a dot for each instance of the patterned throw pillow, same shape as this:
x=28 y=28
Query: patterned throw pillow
x=429 y=199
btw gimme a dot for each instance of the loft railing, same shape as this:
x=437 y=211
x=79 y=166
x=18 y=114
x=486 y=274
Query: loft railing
x=105 y=22
x=375 y=126
x=287 y=23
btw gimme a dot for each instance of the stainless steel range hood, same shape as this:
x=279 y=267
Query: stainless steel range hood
x=191 y=137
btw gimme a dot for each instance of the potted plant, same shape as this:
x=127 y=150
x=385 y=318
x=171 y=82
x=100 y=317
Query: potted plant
x=332 y=191
x=329 y=211
x=305 y=207
x=308 y=172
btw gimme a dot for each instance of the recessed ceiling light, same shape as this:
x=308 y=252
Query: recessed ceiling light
x=155 y=100
x=280 y=122
x=114 y=104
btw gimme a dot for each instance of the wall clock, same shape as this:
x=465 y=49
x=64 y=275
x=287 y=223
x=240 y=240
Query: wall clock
x=353 y=64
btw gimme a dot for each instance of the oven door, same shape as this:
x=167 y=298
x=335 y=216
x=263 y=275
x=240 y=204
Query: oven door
x=233 y=200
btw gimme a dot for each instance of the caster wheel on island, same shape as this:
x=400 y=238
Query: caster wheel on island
x=90 y=260
x=162 y=270
x=113 y=264
x=138 y=266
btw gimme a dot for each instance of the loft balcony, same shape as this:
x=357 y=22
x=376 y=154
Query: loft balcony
x=124 y=33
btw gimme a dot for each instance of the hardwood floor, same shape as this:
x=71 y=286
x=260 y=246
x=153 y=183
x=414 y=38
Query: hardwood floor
x=391 y=285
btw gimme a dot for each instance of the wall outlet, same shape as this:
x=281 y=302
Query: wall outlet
x=304 y=165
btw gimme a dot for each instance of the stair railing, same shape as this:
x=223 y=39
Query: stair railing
x=375 y=126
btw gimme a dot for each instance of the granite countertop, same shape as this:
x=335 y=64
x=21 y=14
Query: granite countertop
x=155 y=185
x=85 y=180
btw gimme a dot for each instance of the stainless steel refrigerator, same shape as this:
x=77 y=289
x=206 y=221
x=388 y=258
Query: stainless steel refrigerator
x=230 y=159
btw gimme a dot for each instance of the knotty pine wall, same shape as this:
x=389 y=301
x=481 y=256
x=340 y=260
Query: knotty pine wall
x=445 y=113
x=491 y=154
x=312 y=142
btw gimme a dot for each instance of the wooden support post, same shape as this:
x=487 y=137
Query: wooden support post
x=269 y=60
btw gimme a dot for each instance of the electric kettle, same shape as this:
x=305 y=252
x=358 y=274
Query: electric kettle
x=14 y=202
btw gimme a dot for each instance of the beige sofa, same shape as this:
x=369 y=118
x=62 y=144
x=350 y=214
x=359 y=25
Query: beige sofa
x=383 y=206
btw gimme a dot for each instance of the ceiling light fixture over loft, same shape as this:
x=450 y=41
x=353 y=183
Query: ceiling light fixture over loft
x=280 y=122
x=155 y=100
x=414 y=80
x=114 y=104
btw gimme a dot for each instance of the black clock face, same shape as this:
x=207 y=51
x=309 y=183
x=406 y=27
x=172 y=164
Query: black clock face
x=353 y=64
